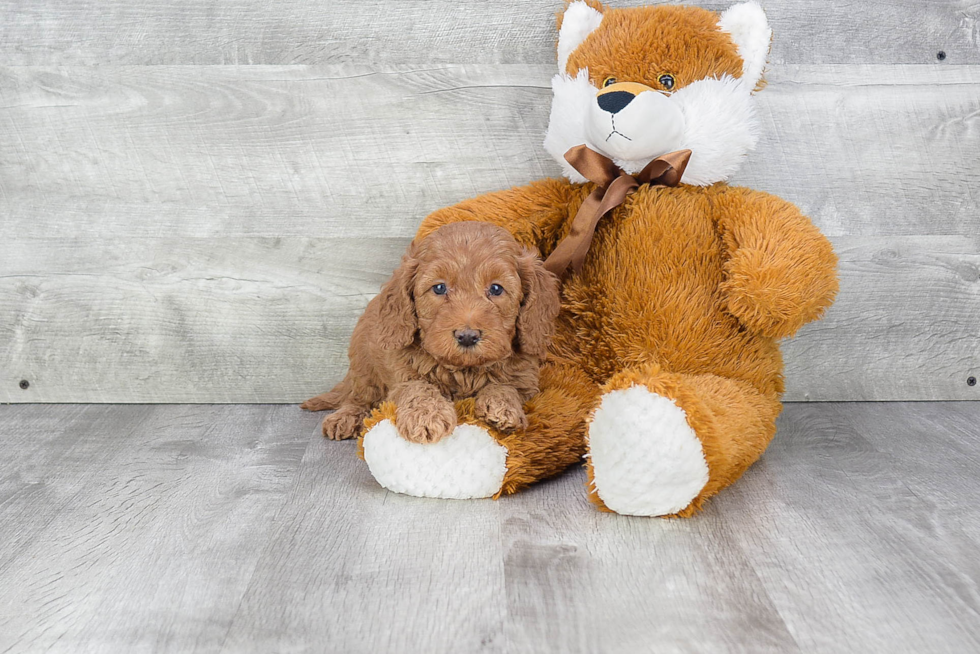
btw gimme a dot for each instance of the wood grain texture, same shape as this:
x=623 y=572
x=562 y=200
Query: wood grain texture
x=47 y=465
x=903 y=326
x=239 y=528
x=191 y=320
x=664 y=586
x=47 y=32
x=858 y=508
x=354 y=568
x=210 y=233
x=268 y=320
x=146 y=512
x=354 y=151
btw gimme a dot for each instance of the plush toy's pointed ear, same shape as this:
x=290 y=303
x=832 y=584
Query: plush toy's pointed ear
x=578 y=21
x=749 y=29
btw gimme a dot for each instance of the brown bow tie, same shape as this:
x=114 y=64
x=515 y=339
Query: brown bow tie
x=612 y=187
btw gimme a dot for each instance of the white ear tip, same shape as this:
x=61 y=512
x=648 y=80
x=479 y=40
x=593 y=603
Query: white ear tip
x=577 y=23
x=747 y=16
x=749 y=28
x=750 y=8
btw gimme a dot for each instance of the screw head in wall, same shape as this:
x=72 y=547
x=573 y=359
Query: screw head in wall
x=24 y=384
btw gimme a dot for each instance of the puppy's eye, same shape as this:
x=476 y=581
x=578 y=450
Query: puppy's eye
x=439 y=289
x=667 y=81
x=609 y=81
x=496 y=289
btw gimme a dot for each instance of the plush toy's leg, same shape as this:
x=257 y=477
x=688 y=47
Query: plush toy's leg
x=555 y=436
x=661 y=443
x=479 y=461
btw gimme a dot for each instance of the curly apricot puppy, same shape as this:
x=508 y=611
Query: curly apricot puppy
x=469 y=313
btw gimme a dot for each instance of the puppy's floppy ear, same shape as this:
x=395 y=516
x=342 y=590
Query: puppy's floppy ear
x=398 y=322
x=536 y=321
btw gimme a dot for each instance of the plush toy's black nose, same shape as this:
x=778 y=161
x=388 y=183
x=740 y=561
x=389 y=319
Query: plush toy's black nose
x=467 y=337
x=615 y=101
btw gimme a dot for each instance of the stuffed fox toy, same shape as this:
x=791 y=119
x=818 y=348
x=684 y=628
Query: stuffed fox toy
x=664 y=373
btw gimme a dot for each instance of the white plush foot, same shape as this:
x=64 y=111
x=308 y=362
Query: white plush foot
x=467 y=464
x=646 y=459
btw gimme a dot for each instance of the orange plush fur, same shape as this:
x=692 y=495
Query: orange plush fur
x=685 y=290
x=684 y=41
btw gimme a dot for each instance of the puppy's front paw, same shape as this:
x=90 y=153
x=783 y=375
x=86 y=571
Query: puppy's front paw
x=427 y=421
x=343 y=424
x=501 y=411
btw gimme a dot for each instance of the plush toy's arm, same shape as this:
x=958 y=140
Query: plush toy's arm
x=781 y=271
x=534 y=214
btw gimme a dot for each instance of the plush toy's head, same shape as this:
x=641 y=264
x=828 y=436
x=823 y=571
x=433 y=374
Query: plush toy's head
x=637 y=83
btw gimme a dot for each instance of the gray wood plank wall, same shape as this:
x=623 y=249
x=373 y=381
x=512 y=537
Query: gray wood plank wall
x=197 y=199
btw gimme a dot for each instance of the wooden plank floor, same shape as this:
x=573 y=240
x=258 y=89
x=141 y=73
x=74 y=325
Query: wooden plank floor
x=238 y=528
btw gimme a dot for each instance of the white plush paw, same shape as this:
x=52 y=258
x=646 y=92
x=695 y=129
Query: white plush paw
x=646 y=459
x=467 y=464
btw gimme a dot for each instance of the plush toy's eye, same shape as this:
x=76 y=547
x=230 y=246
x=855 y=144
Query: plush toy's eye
x=609 y=81
x=667 y=81
x=496 y=289
x=439 y=289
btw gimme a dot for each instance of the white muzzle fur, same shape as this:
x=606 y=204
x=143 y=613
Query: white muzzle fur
x=649 y=126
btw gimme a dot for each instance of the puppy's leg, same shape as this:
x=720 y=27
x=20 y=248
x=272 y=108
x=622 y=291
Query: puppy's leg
x=322 y=402
x=332 y=399
x=501 y=407
x=345 y=422
x=422 y=414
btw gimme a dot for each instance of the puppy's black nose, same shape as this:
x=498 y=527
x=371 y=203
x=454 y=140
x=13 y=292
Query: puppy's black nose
x=615 y=101
x=467 y=337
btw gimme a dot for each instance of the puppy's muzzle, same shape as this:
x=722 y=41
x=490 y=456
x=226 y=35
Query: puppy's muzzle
x=467 y=337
